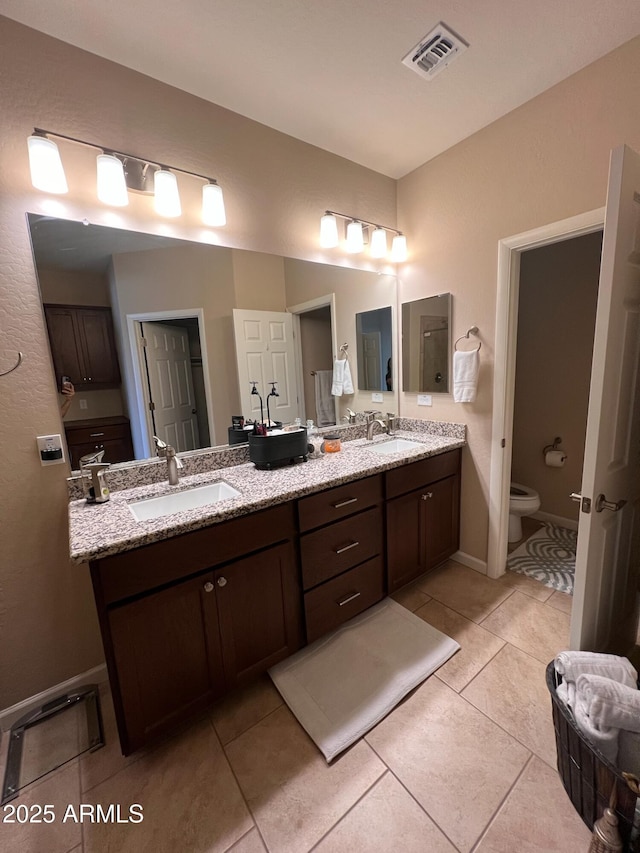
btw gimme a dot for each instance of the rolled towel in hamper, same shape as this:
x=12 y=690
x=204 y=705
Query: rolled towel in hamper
x=606 y=740
x=572 y=664
x=609 y=704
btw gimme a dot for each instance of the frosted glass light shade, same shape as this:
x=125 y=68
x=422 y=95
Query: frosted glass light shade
x=378 y=243
x=112 y=186
x=355 y=239
x=328 y=231
x=47 y=173
x=213 y=212
x=399 y=249
x=166 y=195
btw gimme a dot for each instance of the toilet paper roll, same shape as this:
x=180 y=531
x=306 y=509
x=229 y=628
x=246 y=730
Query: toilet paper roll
x=555 y=458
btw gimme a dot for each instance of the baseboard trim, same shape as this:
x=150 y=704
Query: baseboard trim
x=471 y=562
x=556 y=519
x=8 y=716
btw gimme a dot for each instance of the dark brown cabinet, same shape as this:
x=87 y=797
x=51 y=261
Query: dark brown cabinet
x=111 y=434
x=422 y=523
x=178 y=635
x=83 y=345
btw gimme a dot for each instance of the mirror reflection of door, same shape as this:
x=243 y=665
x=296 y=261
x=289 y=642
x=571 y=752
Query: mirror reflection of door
x=374 y=338
x=173 y=375
x=371 y=359
x=426 y=344
x=434 y=353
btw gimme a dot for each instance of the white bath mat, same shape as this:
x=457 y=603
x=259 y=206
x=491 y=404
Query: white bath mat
x=548 y=556
x=343 y=684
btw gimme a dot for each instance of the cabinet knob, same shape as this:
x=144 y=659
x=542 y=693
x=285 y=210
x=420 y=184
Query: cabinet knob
x=208 y=587
x=427 y=496
x=222 y=581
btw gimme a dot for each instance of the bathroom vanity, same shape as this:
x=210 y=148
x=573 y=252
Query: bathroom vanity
x=188 y=618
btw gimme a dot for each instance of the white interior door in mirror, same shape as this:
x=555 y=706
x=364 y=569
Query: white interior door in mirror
x=265 y=353
x=168 y=360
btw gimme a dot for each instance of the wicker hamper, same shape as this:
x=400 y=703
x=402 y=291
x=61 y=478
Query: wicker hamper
x=588 y=777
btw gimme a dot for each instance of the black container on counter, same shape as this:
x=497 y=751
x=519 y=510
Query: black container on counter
x=275 y=451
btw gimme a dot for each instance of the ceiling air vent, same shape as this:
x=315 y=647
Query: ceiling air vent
x=435 y=51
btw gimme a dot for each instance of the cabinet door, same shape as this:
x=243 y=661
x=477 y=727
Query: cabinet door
x=166 y=650
x=98 y=346
x=260 y=612
x=441 y=520
x=405 y=539
x=65 y=344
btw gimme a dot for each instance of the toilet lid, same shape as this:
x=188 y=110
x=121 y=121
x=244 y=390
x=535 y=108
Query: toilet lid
x=519 y=492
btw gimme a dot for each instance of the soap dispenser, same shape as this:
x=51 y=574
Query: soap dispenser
x=98 y=490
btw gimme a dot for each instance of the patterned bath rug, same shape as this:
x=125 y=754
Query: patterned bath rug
x=548 y=556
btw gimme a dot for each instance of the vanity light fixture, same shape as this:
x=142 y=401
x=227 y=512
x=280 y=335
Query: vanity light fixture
x=117 y=174
x=358 y=233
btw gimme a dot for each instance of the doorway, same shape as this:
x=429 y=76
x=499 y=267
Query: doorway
x=316 y=346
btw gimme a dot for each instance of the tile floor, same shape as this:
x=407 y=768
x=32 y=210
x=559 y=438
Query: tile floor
x=466 y=763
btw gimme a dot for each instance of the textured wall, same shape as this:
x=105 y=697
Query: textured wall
x=275 y=187
x=544 y=162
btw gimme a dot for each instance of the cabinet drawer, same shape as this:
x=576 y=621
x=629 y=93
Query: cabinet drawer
x=143 y=569
x=338 y=600
x=334 y=504
x=334 y=549
x=97 y=434
x=399 y=481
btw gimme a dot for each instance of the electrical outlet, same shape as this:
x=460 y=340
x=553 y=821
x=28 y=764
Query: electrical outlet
x=377 y=398
x=424 y=399
x=83 y=404
x=50 y=449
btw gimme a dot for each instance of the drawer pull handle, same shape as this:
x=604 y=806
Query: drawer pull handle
x=344 y=503
x=348 y=599
x=427 y=496
x=208 y=587
x=222 y=581
x=95 y=434
x=347 y=547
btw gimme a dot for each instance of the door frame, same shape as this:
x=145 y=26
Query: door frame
x=504 y=374
x=329 y=300
x=140 y=411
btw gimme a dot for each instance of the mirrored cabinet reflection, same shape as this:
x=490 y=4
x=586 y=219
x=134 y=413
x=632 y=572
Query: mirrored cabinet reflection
x=426 y=345
x=374 y=339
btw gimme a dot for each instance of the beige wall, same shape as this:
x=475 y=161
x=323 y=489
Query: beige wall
x=259 y=281
x=276 y=189
x=556 y=320
x=544 y=162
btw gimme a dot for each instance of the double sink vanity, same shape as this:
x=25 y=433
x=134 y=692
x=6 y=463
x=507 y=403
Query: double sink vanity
x=203 y=586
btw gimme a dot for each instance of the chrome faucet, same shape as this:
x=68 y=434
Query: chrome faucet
x=390 y=423
x=173 y=461
x=371 y=421
x=350 y=417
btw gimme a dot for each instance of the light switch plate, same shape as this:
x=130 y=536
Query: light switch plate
x=83 y=404
x=50 y=449
x=424 y=399
x=377 y=398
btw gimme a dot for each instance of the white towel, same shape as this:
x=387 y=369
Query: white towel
x=606 y=740
x=466 y=366
x=572 y=664
x=567 y=693
x=609 y=704
x=325 y=409
x=342 y=382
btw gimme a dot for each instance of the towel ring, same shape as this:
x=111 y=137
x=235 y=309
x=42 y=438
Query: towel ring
x=472 y=331
x=15 y=366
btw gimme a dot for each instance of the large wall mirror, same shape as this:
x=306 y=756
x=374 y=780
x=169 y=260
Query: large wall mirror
x=158 y=331
x=426 y=345
x=374 y=336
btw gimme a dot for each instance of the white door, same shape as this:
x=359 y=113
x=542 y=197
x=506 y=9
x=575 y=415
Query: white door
x=604 y=615
x=171 y=385
x=370 y=345
x=265 y=353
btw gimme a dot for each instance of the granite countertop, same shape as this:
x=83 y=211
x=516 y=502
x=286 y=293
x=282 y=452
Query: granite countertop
x=101 y=530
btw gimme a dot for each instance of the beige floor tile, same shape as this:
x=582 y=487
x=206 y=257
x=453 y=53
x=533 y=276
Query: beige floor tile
x=527 y=585
x=295 y=797
x=457 y=763
x=59 y=790
x=244 y=708
x=189 y=797
x=411 y=597
x=477 y=646
x=537 y=817
x=250 y=843
x=530 y=625
x=464 y=590
x=386 y=818
x=512 y=690
x=561 y=601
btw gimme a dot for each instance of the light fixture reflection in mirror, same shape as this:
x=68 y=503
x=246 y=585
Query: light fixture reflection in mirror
x=426 y=344
x=374 y=336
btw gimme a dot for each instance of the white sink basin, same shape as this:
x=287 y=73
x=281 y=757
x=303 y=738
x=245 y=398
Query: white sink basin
x=394 y=445
x=212 y=493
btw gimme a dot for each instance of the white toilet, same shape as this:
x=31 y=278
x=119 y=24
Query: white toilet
x=522 y=501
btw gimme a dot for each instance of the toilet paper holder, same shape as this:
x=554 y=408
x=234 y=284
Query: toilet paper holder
x=557 y=441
